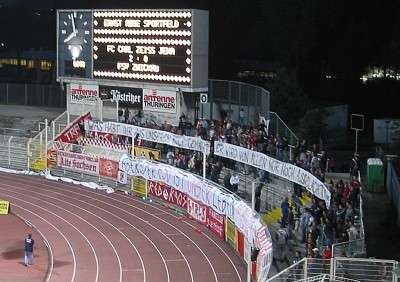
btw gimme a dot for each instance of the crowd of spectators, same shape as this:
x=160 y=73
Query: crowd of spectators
x=320 y=226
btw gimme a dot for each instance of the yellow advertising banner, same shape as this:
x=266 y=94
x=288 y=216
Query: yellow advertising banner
x=231 y=233
x=139 y=186
x=142 y=152
x=4 y=207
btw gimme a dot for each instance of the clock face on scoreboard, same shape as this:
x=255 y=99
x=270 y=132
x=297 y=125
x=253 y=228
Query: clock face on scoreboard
x=75 y=43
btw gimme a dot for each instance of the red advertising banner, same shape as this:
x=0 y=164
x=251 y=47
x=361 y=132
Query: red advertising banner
x=241 y=243
x=197 y=211
x=108 y=168
x=73 y=132
x=167 y=193
x=216 y=223
x=51 y=158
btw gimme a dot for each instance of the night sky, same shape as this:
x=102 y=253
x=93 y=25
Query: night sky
x=325 y=45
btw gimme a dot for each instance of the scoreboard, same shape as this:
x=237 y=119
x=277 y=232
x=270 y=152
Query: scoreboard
x=145 y=46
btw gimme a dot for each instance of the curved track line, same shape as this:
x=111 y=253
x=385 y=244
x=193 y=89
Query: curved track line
x=72 y=189
x=48 y=246
x=72 y=251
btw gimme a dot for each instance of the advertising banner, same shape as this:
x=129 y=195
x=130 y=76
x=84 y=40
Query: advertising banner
x=51 y=158
x=159 y=101
x=127 y=97
x=4 y=207
x=231 y=233
x=216 y=223
x=79 y=162
x=84 y=94
x=167 y=194
x=197 y=210
x=139 y=186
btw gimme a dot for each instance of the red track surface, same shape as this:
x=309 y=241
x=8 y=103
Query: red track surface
x=95 y=236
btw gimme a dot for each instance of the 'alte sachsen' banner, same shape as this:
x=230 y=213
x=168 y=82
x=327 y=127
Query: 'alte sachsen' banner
x=79 y=162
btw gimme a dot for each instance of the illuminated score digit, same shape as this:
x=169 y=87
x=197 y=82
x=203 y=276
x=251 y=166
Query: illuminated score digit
x=79 y=64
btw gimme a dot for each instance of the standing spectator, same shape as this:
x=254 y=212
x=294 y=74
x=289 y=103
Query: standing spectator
x=29 y=242
x=120 y=114
x=227 y=180
x=234 y=182
x=340 y=215
x=305 y=220
x=327 y=255
x=303 y=150
x=257 y=194
x=290 y=222
x=281 y=237
x=170 y=157
x=126 y=114
x=355 y=167
x=241 y=117
x=298 y=268
x=323 y=162
x=285 y=211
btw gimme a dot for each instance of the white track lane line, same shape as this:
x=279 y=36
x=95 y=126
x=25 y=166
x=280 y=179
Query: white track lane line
x=48 y=246
x=69 y=244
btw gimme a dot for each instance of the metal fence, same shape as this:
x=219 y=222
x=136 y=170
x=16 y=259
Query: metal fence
x=228 y=97
x=339 y=269
x=41 y=95
x=393 y=187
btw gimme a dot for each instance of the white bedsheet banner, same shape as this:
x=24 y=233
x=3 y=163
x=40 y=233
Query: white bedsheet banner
x=154 y=135
x=282 y=169
x=185 y=182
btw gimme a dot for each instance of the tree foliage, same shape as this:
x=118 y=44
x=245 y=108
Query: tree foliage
x=286 y=97
x=312 y=126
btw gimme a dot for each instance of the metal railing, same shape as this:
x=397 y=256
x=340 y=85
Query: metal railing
x=393 y=189
x=32 y=95
x=339 y=269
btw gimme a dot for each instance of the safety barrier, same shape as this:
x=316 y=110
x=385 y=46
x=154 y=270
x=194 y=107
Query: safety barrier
x=339 y=269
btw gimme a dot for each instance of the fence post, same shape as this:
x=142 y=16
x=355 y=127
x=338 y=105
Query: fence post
x=26 y=94
x=7 y=93
x=9 y=151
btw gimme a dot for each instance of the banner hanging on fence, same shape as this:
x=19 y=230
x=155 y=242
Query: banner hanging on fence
x=79 y=162
x=196 y=188
x=167 y=193
x=153 y=135
x=285 y=170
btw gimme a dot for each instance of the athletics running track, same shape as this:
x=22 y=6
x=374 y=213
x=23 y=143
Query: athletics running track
x=84 y=235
